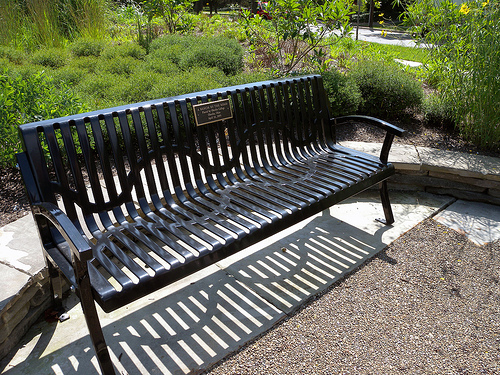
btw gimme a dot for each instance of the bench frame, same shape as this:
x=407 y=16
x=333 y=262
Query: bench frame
x=70 y=252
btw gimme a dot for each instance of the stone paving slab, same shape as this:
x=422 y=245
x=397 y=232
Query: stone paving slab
x=205 y=317
x=312 y=255
x=480 y=222
x=20 y=246
x=190 y=326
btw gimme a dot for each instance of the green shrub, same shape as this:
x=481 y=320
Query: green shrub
x=171 y=47
x=14 y=55
x=129 y=49
x=29 y=99
x=86 y=63
x=190 y=51
x=386 y=90
x=87 y=47
x=136 y=87
x=124 y=65
x=438 y=112
x=69 y=75
x=155 y=63
x=95 y=89
x=196 y=79
x=343 y=92
x=50 y=57
x=225 y=54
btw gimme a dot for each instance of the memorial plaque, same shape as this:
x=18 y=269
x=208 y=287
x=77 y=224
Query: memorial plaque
x=207 y=113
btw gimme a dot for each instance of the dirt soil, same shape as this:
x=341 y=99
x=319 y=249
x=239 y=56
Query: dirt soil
x=14 y=203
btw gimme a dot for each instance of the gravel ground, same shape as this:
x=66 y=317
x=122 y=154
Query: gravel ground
x=428 y=304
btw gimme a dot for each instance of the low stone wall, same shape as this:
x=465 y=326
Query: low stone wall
x=463 y=176
x=23 y=310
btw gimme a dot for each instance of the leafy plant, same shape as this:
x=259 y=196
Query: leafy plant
x=386 y=90
x=175 y=13
x=297 y=32
x=87 y=47
x=29 y=99
x=465 y=62
x=50 y=57
x=343 y=92
x=223 y=53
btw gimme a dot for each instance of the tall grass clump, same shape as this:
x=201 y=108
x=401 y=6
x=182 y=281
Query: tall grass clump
x=36 y=23
x=465 y=58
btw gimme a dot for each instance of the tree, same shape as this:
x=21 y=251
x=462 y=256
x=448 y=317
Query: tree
x=297 y=31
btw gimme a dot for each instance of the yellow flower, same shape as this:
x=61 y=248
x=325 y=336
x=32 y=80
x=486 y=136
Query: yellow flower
x=382 y=14
x=486 y=3
x=381 y=22
x=384 y=33
x=464 y=9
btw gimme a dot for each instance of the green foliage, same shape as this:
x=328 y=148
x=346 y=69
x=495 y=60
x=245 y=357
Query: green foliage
x=50 y=57
x=217 y=25
x=225 y=54
x=175 y=13
x=438 y=113
x=35 y=23
x=24 y=100
x=193 y=80
x=295 y=37
x=191 y=51
x=125 y=65
x=68 y=75
x=87 y=47
x=465 y=62
x=129 y=49
x=12 y=54
x=386 y=90
x=343 y=92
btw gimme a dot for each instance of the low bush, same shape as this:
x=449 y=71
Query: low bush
x=50 y=57
x=69 y=75
x=124 y=65
x=190 y=51
x=87 y=47
x=343 y=92
x=14 y=55
x=86 y=63
x=438 y=112
x=129 y=49
x=223 y=53
x=386 y=90
x=196 y=79
x=95 y=89
x=29 y=99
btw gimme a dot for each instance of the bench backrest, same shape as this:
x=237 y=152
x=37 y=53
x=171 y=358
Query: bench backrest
x=154 y=150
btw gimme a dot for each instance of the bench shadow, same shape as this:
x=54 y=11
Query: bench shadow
x=191 y=327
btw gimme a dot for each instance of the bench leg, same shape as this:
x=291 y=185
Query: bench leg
x=55 y=284
x=386 y=205
x=94 y=326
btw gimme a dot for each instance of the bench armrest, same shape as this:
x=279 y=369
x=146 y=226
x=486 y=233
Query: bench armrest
x=79 y=247
x=390 y=129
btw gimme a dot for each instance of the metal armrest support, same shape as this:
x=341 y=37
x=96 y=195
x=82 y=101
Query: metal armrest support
x=390 y=129
x=79 y=247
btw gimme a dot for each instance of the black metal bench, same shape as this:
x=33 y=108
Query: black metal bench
x=130 y=199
